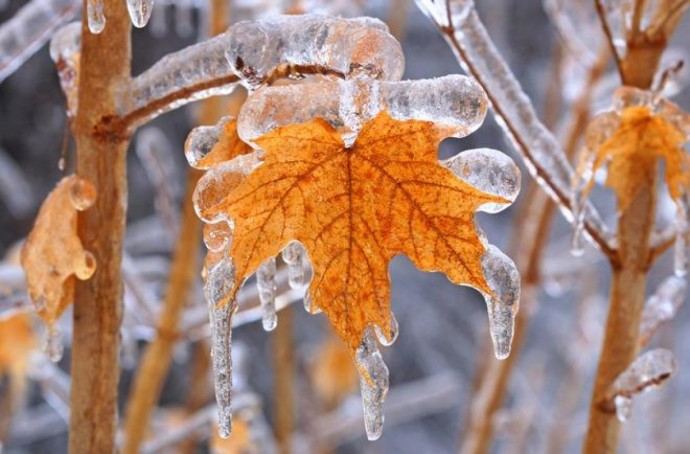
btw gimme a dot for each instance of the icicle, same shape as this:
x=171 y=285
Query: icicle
x=266 y=283
x=139 y=11
x=309 y=305
x=662 y=305
x=383 y=338
x=490 y=171
x=293 y=255
x=373 y=380
x=503 y=279
x=680 y=249
x=220 y=279
x=95 y=16
x=649 y=371
x=579 y=201
x=52 y=344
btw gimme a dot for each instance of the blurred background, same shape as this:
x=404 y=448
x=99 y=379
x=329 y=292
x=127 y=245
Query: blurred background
x=444 y=339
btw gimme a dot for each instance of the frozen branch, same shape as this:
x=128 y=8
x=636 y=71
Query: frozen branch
x=29 y=29
x=464 y=31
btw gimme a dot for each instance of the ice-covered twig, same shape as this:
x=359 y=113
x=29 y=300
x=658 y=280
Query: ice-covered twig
x=464 y=31
x=650 y=370
x=202 y=70
x=662 y=306
x=29 y=29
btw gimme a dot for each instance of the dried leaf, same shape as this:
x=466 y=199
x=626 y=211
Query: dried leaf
x=53 y=253
x=640 y=139
x=353 y=209
x=17 y=341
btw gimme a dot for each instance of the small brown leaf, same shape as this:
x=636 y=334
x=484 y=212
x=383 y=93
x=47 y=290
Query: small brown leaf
x=53 y=254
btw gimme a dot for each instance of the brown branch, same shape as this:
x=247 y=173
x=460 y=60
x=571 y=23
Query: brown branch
x=621 y=342
x=606 y=28
x=158 y=356
x=101 y=159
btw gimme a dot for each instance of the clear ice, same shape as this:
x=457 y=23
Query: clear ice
x=220 y=279
x=201 y=141
x=257 y=48
x=266 y=284
x=682 y=226
x=26 y=32
x=64 y=47
x=490 y=171
x=650 y=370
x=454 y=101
x=294 y=257
x=502 y=306
x=381 y=336
x=542 y=152
x=52 y=343
x=374 y=383
x=95 y=16
x=662 y=305
x=139 y=11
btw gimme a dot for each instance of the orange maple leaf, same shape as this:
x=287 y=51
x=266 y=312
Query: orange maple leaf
x=229 y=146
x=53 y=254
x=632 y=151
x=353 y=209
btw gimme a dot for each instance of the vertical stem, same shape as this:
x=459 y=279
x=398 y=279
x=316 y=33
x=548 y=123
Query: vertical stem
x=622 y=327
x=156 y=362
x=101 y=159
x=283 y=360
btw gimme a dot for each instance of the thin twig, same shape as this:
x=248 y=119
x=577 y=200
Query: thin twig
x=604 y=21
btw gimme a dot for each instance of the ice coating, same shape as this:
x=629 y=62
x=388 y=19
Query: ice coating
x=64 y=51
x=682 y=227
x=503 y=279
x=27 y=31
x=662 y=305
x=294 y=257
x=201 y=141
x=220 y=279
x=649 y=371
x=516 y=115
x=218 y=236
x=385 y=340
x=309 y=305
x=374 y=383
x=139 y=11
x=52 y=344
x=258 y=48
x=95 y=16
x=201 y=68
x=454 y=101
x=266 y=284
x=490 y=171
x=578 y=202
